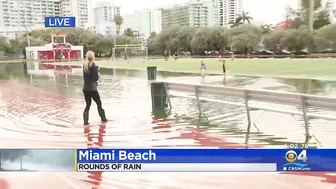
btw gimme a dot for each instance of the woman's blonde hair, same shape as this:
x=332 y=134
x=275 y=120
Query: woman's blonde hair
x=89 y=60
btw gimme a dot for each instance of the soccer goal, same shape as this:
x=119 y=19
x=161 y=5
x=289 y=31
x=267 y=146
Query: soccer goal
x=130 y=52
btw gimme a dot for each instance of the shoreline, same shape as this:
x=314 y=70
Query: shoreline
x=105 y=64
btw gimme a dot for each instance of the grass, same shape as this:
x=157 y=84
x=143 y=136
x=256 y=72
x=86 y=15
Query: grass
x=303 y=68
x=323 y=69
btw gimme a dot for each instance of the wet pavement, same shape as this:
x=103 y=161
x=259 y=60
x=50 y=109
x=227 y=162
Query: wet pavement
x=44 y=114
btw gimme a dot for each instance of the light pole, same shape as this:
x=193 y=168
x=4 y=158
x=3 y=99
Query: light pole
x=311 y=20
x=311 y=15
x=114 y=49
x=28 y=37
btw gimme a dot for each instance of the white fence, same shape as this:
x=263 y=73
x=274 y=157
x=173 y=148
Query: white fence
x=283 y=98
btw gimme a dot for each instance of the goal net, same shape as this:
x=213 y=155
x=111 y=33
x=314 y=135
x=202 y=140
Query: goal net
x=129 y=53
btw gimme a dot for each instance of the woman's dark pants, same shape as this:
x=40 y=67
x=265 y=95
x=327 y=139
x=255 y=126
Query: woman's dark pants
x=88 y=95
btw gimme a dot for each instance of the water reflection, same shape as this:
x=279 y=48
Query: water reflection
x=308 y=85
x=95 y=177
x=224 y=80
x=128 y=100
x=160 y=113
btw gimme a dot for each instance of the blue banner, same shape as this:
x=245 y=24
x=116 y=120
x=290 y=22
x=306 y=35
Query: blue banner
x=60 y=22
x=285 y=159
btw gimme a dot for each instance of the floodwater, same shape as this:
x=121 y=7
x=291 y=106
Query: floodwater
x=43 y=113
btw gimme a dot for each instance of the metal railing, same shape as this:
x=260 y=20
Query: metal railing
x=281 y=98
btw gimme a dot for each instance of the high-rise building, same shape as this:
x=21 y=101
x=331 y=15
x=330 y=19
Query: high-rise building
x=228 y=11
x=144 y=21
x=192 y=14
x=18 y=13
x=175 y=16
x=104 y=14
x=81 y=9
x=28 y=13
x=196 y=13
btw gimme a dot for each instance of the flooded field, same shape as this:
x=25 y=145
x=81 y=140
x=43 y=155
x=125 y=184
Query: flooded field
x=38 y=112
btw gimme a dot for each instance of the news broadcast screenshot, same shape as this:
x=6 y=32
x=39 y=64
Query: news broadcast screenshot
x=169 y=94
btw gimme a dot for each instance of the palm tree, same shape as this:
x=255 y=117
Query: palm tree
x=129 y=32
x=237 y=22
x=245 y=17
x=267 y=28
x=118 y=22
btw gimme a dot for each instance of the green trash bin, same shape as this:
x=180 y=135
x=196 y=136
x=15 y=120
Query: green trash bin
x=159 y=113
x=151 y=73
x=159 y=96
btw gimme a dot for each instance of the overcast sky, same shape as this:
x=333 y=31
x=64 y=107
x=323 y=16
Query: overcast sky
x=263 y=11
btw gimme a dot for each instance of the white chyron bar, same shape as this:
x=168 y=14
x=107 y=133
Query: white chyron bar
x=177 y=167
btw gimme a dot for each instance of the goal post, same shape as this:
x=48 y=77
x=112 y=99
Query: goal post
x=130 y=52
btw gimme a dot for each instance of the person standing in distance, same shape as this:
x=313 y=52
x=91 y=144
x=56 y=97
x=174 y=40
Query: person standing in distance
x=91 y=77
x=203 y=69
x=165 y=53
x=224 y=67
x=224 y=70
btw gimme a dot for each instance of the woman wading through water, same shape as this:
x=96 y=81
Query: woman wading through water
x=91 y=77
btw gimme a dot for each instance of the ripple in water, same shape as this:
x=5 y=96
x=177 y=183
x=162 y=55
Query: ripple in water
x=49 y=116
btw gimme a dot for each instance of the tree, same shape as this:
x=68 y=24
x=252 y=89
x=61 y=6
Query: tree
x=169 y=39
x=266 y=28
x=33 y=41
x=201 y=41
x=123 y=40
x=322 y=18
x=79 y=36
x=154 y=46
x=75 y=36
x=292 y=13
x=184 y=37
x=118 y=22
x=305 y=4
x=14 y=47
x=103 y=46
x=272 y=41
x=152 y=35
x=219 y=38
x=297 y=39
x=245 y=36
x=245 y=17
x=300 y=16
x=129 y=32
x=210 y=39
x=297 y=23
x=326 y=37
x=3 y=43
